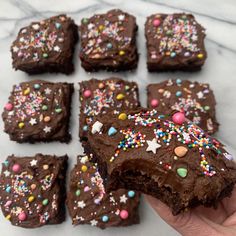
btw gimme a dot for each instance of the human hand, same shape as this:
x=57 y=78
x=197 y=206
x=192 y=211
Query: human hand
x=201 y=221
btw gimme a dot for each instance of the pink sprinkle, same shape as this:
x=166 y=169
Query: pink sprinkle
x=8 y=107
x=154 y=103
x=22 y=216
x=16 y=168
x=87 y=93
x=124 y=214
x=156 y=22
x=86 y=188
x=8 y=203
x=178 y=118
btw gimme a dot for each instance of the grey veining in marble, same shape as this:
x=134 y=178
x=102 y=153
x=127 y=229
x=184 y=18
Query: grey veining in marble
x=218 y=17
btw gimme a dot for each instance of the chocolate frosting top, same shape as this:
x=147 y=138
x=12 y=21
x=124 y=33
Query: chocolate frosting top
x=88 y=203
x=179 y=156
x=174 y=39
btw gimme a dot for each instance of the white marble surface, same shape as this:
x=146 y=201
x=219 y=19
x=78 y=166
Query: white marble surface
x=220 y=21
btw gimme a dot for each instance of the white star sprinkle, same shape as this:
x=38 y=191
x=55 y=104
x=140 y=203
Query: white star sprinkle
x=33 y=162
x=35 y=26
x=96 y=128
x=33 y=121
x=47 y=129
x=6 y=173
x=123 y=198
x=121 y=17
x=47 y=91
x=93 y=222
x=200 y=94
x=90 y=26
x=152 y=146
x=15 y=49
x=81 y=204
x=56 y=48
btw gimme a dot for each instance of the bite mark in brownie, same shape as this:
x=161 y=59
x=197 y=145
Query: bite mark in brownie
x=195 y=99
x=108 y=41
x=174 y=42
x=101 y=96
x=46 y=46
x=32 y=190
x=38 y=111
x=88 y=203
x=166 y=156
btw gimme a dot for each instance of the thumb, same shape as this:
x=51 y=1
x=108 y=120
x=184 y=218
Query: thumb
x=186 y=223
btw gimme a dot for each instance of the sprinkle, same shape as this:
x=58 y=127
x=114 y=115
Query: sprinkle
x=206 y=108
x=58 y=25
x=124 y=214
x=33 y=186
x=31 y=199
x=22 y=216
x=131 y=194
x=26 y=91
x=85 y=128
x=120 y=96
x=121 y=53
x=58 y=110
x=45 y=55
x=87 y=93
x=181 y=151
x=21 y=125
x=178 y=118
x=16 y=168
x=8 y=106
x=84 y=168
x=187 y=54
x=200 y=56
x=85 y=20
x=154 y=103
x=96 y=128
x=77 y=193
x=182 y=172
x=178 y=81
x=45 y=167
x=172 y=54
x=37 y=86
x=112 y=131
x=109 y=45
x=178 y=94
x=105 y=218
x=8 y=217
x=47 y=119
x=122 y=116
x=156 y=22
x=101 y=85
x=44 y=107
x=45 y=202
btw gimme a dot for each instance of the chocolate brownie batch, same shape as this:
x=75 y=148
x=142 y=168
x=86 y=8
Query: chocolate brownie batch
x=164 y=150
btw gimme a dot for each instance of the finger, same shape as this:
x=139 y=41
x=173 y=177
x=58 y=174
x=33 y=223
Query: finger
x=186 y=223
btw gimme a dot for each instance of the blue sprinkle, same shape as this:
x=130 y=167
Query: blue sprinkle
x=131 y=194
x=6 y=163
x=173 y=54
x=37 y=86
x=178 y=93
x=85 y=128
x=178 y=81
x=58 y=25
x=109 y=45
x=8 y=189
x=112 y=131
x=105 y=218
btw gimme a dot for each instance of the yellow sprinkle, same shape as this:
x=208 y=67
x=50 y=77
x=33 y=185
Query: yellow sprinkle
x=121 y=53
x=8 y=217
x=101 y=27
x=200 y=56
x=21 y=125
x=27 y=91
x=122 y=116
x=45 y=167
x=31 y=199
x=84 y=168
x=120 y=96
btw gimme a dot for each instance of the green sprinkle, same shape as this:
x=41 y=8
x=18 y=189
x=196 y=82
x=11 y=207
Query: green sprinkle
x=77 y=193
x=85 y=20
x=44 y=107
x=45 y=202
x=45 y=55
x=207 y=108
x=182 y=172
x=58 y=110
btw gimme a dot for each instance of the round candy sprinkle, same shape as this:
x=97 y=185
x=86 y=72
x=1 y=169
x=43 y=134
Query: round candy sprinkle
x=178 y=81
x=182 y=172
x=206 y=108
x=131 y=194
x=8 y=189
x=180 y=151
x=37 y=86
x=156 y=22
x=58 y=25
x=122 y=116
x=109 y=45
x=101 y=85
x=8 y=203
x=154 y=103
x=105 y=218
x=84 y=168
x=77 y=193
x=121 y=53
x=45 y=55
x=169 y=32
x=26 y=91
x=127 y=87
x=16 y=168
x=58 y=110
x=21 y=125
x=45 y=167
x=8 y=217
x=87 y=93
x=31 y=199
x=47 y=119
x=120 y=96
x=97 y=201
x=44 y=107
x=33 y=186
x=112 y=131
x=178 y=93
x=85 y=128
x=200 y=56
x=22 y=216
x=101 y=27
x=124 y=214
x=187 y=54
x=85 y=20
x=178 y=118
x=45 y=202
x=172 y=54
x=86 y=188
x=8 y=106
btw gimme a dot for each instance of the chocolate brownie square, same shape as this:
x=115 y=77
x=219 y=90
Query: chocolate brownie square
x=38 y=111
x=46 y=46
x=102 y=96
x=174 y=42
x=195 y=99
x=32 y=190
x=166 y=156
x=108 y=41
x=88 y=203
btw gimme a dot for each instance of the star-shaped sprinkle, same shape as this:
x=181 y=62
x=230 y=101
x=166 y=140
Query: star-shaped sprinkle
x=15 y=49
x=152 y=146
x=33 y=162
x=35 y=26
x=90 y=26
x=56 y=49
x=47 y=91
x=47 y=129
x=96 y=128
x=81 y=204
x=6 y=173
x=123 y=198
x=121 y=17
x=33 y=121
x=93 y=222
x=200 y=94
